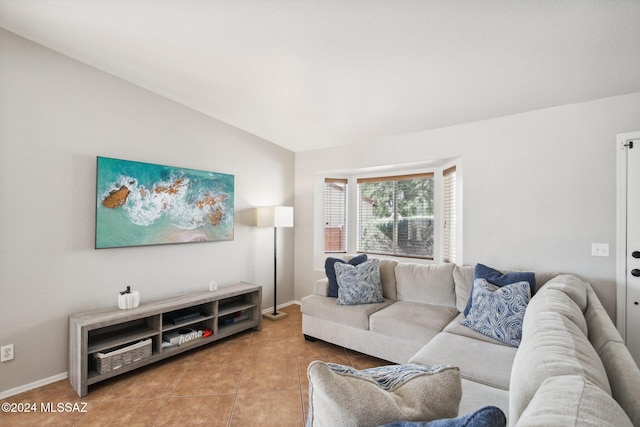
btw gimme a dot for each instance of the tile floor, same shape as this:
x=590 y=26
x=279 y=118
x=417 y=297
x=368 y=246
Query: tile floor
x=252 y=379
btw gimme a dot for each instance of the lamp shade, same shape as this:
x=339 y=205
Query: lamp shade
x=275 y=216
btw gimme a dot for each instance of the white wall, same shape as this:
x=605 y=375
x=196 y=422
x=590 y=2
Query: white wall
x=56 y=116
x=538 y=188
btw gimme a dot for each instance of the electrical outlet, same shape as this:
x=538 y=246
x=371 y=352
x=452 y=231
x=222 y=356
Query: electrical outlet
x=6 y=353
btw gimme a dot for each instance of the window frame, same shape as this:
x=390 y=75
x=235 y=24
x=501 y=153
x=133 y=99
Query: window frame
x=435 y=166
x=395 y=180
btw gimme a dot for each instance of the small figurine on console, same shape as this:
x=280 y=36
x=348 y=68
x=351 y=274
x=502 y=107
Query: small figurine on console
x=128 y=299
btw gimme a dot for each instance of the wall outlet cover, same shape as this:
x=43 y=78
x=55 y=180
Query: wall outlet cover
x=6 y=353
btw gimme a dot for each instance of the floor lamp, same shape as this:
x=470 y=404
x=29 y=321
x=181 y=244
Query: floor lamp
x=275 y=216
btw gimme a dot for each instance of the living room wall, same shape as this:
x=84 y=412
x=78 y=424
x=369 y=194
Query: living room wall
x=538 y=188
x=56 y=116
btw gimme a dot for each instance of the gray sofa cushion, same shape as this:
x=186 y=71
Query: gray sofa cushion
x=463 y=280
x=624 y=378
x=413 y=322
x=622 y=371
x=388 y=278
x=356 y=316
x=478 y=361
x=554 y=300
x=572 y=400
x=455 y=327
x=426 y=283
x=571 y=285
x=552 y=345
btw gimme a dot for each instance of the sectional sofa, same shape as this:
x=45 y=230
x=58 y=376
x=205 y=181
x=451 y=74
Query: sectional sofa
x=570 y=368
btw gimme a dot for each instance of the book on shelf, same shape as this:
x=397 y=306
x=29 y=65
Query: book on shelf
x=182 y=316
x=236 y=317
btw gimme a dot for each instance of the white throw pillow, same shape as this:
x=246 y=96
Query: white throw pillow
x=343 y=396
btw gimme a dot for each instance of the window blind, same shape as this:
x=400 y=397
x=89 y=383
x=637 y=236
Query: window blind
x=335 y=214
x=449 y=220
x=395 y=215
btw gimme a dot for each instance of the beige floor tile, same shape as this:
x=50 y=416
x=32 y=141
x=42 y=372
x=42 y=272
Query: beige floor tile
x=130 y=413
x=280 y=329
x=282 y=408
x=270 y=375
x=147 y=383
x=209 y=379
x=272 y=349
x=46 y=413
x=224 y=352
x=210 y=411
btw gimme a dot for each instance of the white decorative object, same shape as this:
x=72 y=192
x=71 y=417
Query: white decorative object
x=128 y=299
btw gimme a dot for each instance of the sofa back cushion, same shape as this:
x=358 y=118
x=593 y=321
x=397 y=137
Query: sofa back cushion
x=552 y=345
x=623 y=373
x=572 y=400
x=554 y=300
x=571 y=285
x=388 y=278
x=463 y=278
x=426 y=283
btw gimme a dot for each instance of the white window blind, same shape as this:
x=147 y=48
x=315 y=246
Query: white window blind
x=335 y=214
x=395 y=215
x=449 y=220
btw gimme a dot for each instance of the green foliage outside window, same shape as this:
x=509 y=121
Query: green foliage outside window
x=396 y=216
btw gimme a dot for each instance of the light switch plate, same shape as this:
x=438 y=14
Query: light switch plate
x=599 y=249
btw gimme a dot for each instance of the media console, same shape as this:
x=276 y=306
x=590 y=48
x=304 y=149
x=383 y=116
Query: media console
x=110 y=342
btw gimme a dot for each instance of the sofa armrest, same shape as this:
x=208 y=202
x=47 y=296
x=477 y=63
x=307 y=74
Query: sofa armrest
x=321 y=287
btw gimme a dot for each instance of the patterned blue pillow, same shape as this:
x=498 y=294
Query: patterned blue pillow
x=489 y=416
x=496 y=277
x=359 y=284
x=330 y=270
x=389 y=377
x=498 y=312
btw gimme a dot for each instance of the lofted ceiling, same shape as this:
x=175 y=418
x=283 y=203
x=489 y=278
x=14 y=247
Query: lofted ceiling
x=308 y=74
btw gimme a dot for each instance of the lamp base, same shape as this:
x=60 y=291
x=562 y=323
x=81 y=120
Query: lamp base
x=279 y=315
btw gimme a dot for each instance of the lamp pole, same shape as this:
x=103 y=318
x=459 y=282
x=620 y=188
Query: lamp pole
x=275 y=270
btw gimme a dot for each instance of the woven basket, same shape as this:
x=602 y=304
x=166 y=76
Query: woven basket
x=116 y=359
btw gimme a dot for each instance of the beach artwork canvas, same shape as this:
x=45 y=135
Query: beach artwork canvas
x=146 y=204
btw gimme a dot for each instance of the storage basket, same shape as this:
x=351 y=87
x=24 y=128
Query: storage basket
x=116 y=359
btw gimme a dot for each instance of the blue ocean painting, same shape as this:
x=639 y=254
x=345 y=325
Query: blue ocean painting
x=145 y=204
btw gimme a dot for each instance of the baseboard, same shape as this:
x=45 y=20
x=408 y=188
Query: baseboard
x=31 y=386
x=286 y=304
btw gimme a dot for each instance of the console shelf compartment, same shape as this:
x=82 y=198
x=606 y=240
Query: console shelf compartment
x=108 y=329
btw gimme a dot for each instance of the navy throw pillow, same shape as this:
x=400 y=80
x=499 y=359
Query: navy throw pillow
x=489 y=416
x=330 y=270
x=496 y=277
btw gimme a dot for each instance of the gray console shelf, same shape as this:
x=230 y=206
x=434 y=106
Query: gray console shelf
x=227 y=311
